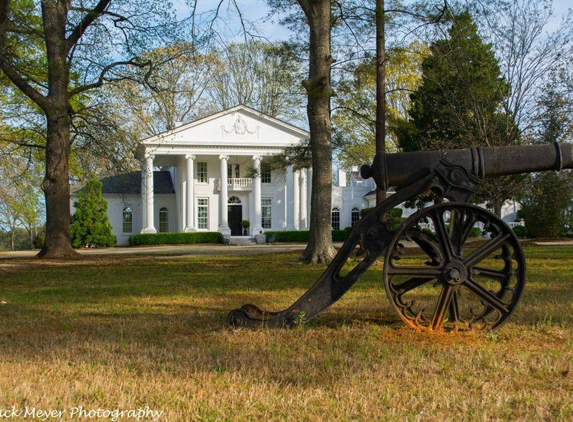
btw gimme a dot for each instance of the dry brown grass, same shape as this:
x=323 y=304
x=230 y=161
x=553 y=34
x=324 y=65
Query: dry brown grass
x=131 y=332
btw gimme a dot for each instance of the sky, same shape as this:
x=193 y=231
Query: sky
x=255 y=16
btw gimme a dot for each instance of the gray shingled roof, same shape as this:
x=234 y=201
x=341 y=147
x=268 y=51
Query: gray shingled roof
x=130 y=183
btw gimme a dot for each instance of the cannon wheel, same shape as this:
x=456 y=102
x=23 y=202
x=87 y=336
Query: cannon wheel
x=438 y=277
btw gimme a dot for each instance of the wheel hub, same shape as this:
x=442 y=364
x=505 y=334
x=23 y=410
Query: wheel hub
x=455 y=273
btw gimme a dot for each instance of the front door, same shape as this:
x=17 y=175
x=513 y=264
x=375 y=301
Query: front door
x=235 y=218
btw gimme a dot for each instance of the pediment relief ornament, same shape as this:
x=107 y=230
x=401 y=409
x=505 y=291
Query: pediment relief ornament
x=240 y=128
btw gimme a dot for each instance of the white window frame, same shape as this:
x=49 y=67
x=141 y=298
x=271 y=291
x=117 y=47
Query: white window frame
x=267 y=220
x=202 y=222
x=355 y=211
x=266 y=172
x=127 y=211
x=335 y=212
x=202 y=174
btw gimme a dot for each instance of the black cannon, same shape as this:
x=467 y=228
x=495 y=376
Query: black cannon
x=437 y=274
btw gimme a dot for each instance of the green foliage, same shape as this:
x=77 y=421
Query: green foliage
x=546 y=204
x=547 y=199
x=475 y=232
x=354 y=121
x=303 y=235
x=461 y=104
x=90 y=225
x=175 y=238
x=462 y=92
x=520 y=231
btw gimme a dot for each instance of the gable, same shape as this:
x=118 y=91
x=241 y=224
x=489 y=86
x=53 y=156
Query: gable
x=238 y=126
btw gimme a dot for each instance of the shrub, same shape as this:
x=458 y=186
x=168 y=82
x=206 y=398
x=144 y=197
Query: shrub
x=520 y=231
x=393 y=216
x=475 y=232
x=90 y=225
x=175 y=238
x=301 y=236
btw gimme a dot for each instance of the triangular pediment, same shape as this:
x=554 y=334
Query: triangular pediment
x=237 y=126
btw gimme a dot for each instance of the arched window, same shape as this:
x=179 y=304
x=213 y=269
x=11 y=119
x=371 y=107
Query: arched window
x=127 y=219
x=163 y=220
x=336 y=218
x=355 y=215
x=233 y=200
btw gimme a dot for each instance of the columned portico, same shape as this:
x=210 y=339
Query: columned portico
x=148 y=197
x=189 y=194
x=224 y=198
x=257 y=191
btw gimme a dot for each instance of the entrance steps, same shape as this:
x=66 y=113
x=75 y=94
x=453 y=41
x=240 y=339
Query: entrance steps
x=242 y=240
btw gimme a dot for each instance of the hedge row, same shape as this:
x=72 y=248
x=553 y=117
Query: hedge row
x=302 y=236
x=175 y=238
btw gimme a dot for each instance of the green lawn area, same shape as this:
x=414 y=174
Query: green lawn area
x=130 y=332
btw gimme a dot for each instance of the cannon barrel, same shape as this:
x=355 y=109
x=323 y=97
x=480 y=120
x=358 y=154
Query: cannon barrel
x=402 y=169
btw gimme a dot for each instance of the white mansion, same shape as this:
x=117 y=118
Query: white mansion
x=213 y=173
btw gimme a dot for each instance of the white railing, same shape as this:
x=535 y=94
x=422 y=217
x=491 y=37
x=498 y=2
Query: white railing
x=513 y=224
x=234 y=183
x=242 y=182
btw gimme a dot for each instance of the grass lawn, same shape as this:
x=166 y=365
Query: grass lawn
x=130 y=332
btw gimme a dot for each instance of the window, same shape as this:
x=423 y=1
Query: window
x=202 y=172
x=127 y=220
x=336 y=218
x=234 y=200
x=202 y=213
x=267 y=212
x=265 y=172
x=233 y=171
x=163 y=220
x=355 y=215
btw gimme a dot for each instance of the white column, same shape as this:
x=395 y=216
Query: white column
x=148 y=196
x=303 y=201
x=190 y=195
x=289 y=200
x=296 y=199
x=309 y=194
x=257 y=191
x=224 y=198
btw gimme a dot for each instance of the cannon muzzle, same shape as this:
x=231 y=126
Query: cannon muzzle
x=403 y=169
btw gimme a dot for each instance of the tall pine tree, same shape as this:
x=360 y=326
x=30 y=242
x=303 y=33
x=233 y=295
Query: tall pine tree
x=460 y=102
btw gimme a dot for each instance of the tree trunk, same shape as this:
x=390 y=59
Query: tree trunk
x=320 y=248
x=56 y=187
x=56 y=184
x=380 y=89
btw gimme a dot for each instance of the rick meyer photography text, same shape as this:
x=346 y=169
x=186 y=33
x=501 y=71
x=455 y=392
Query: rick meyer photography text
x=80 y=412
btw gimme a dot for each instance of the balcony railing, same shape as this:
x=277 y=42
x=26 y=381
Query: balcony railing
x=235 y=183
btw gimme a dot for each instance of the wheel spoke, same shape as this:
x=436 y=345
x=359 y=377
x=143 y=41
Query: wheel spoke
x=486 y=272
x=410 y=284
x=485 y=251
x=463 y=229
x=427 y=272
x=455 y=307
x=442 y=306
x=487 y=297
x=427 y=246
x=443 y=235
